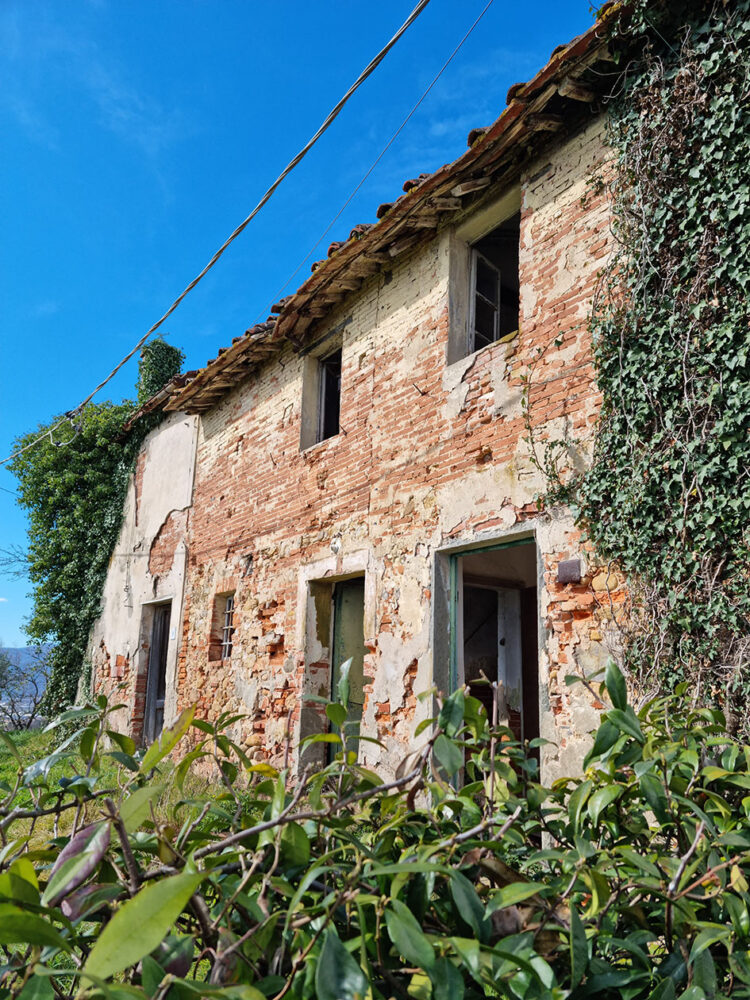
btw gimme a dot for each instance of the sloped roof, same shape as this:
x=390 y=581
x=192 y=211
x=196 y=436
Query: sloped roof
x=553 y=101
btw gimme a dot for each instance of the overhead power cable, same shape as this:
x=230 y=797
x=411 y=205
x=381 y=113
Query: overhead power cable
x=333 y=114
x=380 y=156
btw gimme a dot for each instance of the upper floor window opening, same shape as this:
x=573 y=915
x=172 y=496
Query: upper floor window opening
x=495 y=286
x=329 y=403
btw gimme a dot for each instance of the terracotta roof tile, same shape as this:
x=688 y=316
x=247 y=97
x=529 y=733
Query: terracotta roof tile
x=494 y=156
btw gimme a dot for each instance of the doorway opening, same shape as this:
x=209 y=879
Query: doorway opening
x=347 y=642
x=335 y=632
x=156 y=682
x=494 y=631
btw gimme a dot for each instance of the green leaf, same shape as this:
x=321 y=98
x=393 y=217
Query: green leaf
x=627 y=722
x=337 y=975
x=19 y=884
x=448 y=755
x=77 y=861
x=407 y=936
x=447 y=981
x=167 y=741
x=19 y=927
x=342 y=689
x=469 y=905
x=125 y=743
x=511 y=894
x=295 y=844
x=579 y=948
x=151 y=975
x=615 y=685
x=37 y=988
x=141 y=924
x=601 y=798
x=336 y=713
x=655 y=795
x=577 y=801
x=451 y=715
x=70 y=715
x=711 y=934
x=606 y=736
x=10 y=745
x=664 y=991
x=137 y=806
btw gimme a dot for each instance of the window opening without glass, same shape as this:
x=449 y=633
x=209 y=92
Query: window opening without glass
x=329 y=407
x=494 y=307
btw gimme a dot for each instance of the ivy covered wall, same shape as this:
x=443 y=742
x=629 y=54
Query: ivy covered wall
x=73 y=485
x=668 y=494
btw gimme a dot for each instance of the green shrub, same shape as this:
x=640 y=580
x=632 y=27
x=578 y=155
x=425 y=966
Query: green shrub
x=461 y=877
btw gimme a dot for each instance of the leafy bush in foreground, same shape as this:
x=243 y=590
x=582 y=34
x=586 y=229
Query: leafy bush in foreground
x=462 y=877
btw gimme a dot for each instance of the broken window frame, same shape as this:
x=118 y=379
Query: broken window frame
x=477 y=259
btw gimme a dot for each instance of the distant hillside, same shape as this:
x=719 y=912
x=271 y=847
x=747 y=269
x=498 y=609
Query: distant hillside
x=25 y=656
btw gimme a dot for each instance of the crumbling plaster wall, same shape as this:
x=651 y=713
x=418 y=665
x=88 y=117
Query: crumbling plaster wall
x=429 y=455
x=147 y=568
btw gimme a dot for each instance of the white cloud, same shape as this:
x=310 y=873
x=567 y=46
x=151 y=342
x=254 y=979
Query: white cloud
x=38 y=56
x=3 y=600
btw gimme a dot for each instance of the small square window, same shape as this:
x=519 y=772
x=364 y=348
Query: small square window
x=329 y=404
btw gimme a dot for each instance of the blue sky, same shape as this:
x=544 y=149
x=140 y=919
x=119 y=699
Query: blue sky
x=138 y=133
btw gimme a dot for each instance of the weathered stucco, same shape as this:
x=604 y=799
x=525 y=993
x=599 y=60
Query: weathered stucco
x=431 y=458
x=147 y=568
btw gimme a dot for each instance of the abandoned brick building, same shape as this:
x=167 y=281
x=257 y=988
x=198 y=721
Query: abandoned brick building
x=355 y=477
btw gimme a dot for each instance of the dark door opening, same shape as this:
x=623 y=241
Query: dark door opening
x=496 y=632
x=348 y=642
x=156 y=684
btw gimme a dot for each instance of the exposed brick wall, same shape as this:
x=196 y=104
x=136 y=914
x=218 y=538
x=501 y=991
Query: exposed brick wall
x=428 y=454
x=172 y=531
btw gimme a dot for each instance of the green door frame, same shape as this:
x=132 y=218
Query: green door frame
x=453 y=604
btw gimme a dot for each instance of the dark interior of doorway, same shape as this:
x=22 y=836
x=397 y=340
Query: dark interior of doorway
x=156 y=685
x=500 y=632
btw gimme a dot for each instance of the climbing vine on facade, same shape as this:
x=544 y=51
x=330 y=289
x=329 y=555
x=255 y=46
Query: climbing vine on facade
x=73 y=487
x=667 y=495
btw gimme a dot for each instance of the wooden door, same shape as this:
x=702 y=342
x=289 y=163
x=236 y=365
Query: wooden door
x=156 y=685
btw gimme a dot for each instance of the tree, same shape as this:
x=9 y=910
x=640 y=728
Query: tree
x=23 y=682
x=73 y=485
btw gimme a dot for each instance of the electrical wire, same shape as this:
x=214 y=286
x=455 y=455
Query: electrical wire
x=380 y=156
x=332 y=115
